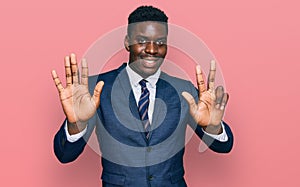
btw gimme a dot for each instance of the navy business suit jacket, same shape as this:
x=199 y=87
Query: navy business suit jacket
x=128 y=158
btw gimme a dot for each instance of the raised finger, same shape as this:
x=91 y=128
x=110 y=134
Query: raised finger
x=84 y=72
x=211 y=76
x=74 y=69
x=219 y=96
x=57 y=82
x=68 y=71
x=200 y=80
x=224 y=101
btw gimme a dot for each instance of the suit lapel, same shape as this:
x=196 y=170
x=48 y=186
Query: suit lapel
x=124 y=83
x=159 y=105
x=159 y=111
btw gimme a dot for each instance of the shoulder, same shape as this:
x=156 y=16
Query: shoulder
x=175 y=81
x=179 y=84
x=106 y=76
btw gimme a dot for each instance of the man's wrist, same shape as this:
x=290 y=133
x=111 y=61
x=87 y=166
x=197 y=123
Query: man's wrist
x=213 y=129
x=75 y=128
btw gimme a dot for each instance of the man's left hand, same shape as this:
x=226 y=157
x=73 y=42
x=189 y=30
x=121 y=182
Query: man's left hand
x=209 y=110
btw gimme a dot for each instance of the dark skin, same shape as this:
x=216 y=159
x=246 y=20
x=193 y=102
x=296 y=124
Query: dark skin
x=209 y=110
x=147 y=47
x=78 y=105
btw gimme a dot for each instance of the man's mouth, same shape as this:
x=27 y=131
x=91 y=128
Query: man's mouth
x=150 y=60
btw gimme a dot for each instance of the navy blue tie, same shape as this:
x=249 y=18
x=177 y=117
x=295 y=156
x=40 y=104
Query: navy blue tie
x=143 y=107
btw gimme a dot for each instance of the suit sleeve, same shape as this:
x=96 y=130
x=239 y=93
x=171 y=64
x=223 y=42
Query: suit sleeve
x=66 y=151
x=212 y=143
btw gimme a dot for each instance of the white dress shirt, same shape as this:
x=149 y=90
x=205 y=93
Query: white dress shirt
x=134 y=79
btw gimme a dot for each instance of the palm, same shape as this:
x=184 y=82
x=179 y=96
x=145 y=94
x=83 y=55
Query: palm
x=211 y=104
x=77 y=103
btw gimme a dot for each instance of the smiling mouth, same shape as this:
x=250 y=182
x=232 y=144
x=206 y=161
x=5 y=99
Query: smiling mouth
x=150 y=59
x=149 y=62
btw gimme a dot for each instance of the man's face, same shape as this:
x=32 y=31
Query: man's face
x=147 y=44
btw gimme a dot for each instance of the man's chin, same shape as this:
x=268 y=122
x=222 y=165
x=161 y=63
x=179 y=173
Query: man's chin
x=148 y=73
x=146 y=68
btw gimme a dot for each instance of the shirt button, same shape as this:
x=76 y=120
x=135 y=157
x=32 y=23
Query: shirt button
x=150 y=178
x=149 y=149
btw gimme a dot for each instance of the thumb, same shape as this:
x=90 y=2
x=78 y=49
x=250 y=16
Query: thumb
x=190 y=99
x=97 y=93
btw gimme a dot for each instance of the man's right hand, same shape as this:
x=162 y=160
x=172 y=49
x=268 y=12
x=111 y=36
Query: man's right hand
x=78 y=105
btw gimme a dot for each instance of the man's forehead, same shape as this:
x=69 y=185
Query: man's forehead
x=149 y=28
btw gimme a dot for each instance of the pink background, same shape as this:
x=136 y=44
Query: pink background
x=256 y=42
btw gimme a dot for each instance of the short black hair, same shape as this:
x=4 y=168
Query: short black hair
x=147 y=13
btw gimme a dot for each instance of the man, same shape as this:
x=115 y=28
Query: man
x=141 y=114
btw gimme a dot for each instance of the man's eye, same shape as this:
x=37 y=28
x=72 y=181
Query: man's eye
x=160 y=42
x=142 y=41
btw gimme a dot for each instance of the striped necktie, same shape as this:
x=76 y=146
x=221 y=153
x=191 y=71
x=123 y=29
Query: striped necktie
x=143 y=107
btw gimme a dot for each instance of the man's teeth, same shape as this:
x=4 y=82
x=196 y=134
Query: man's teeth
x=150 y=60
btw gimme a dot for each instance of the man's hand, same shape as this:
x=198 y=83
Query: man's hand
x=78 y=105
x=209 y=110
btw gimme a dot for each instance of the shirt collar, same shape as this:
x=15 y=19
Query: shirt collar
x=136 y=78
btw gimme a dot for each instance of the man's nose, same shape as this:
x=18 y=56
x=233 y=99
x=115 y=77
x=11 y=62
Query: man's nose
x=151 y=48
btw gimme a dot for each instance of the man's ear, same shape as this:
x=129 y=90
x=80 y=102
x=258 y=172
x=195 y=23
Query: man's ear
x=126 y=42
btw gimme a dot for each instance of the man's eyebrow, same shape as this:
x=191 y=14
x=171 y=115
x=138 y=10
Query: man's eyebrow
x=159 y=38
x=141 y=36
x=162 y=38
